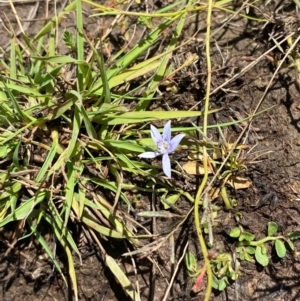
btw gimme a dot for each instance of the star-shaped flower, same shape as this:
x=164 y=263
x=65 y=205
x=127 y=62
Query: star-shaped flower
x=165 y=146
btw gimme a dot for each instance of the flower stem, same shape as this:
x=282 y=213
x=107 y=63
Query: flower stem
x=205 y=157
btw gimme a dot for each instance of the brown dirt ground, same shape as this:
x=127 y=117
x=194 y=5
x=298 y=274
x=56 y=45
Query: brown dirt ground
x=275 y=174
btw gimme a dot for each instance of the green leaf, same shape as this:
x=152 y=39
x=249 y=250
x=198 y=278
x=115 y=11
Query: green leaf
x=238 y=216
x=162 y=69
x=69 y=40
x=250 y=250
x=291 y=245
x=215 y=282
x=261 y=258
x=272 y=228
x=280 y=248
x=242 y=255
x=171 y=200
x=61 y=59
x=190 y=262
x=121 y=277
x=235 y=232
x=263 y=249
x=246 y=236
x=222 y=284
x=143 y=116
x=294 y=235
x=55 y=20
x=23 y=210
x=248 y=257
x=46 y=248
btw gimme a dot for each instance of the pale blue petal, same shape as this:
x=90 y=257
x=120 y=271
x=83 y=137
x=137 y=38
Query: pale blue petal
x=155 y=135
x=174 y=142
x=166 y=164
x=167 y=132
x=148 y=155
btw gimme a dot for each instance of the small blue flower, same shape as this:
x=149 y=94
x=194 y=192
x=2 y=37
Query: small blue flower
x=165 y=146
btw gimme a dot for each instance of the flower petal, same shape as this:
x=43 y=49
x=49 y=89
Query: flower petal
x=167 y=132
x=155 y=135
x=148 y=155
x=174 y=142
x=166 y=164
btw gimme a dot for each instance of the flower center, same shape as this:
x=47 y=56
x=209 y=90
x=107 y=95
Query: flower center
x=163 y=147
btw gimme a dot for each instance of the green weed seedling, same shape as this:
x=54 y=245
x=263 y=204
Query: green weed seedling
x=223 y=272
x=221 y=265
x=250 y=249
x=191 y=264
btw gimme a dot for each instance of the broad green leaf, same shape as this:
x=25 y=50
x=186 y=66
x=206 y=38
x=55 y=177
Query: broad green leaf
x=170 y=200
x=280 y=248
x=294 y=235
x=272 y=228
x=246 y=236
x=215 y=282
x=261 y=258
x=250 y=250
x=235 y=232
x=222 y=284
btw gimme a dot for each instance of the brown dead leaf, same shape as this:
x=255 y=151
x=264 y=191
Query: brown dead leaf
x=239 y=182
x=214 y=193
x=194 y=168
x=217 y=153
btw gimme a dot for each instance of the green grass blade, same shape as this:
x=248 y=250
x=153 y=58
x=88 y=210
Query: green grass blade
x=104 y=80
x=49 y=158
x=80 y=44
x=69 y=190
x=122 y=278
x=137 y=51
x=55 y=20
x=56 y=222
x=46 y=248
x=24 y=210
x=145 y=116
x=161 y=71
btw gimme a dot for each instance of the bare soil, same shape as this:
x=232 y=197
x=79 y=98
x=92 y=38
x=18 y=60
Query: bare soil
x=272 y=165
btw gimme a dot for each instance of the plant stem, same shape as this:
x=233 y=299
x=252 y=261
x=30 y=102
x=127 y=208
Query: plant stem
x=258 y=242
x=205 y=157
